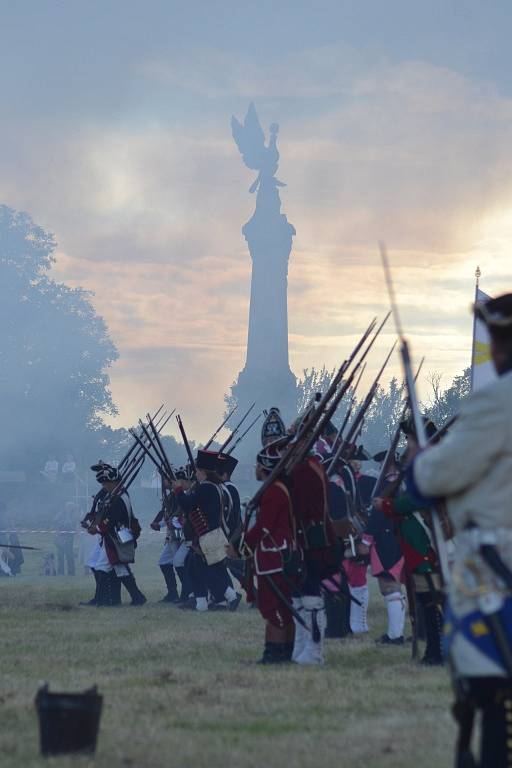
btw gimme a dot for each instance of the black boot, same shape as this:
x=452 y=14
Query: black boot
x=131 y=587
x=336 y=614
x=115 y=589
x=493 y=697
x=94 y=600
x=287 y=652
x=433 y=655
x=108 y=589
x=273 y=653
x=170 y=581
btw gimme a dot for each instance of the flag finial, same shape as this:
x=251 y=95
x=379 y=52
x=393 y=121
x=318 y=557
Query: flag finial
x=478 y=275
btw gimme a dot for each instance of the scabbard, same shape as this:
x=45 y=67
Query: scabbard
x=275 y=589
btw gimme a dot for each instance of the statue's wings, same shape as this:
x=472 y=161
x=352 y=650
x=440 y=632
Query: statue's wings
x=250 y=139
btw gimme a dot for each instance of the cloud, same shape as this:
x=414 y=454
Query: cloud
x=149 y=214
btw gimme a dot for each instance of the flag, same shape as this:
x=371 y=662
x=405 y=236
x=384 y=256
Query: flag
x=482 y=368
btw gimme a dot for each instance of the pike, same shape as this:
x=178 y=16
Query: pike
x=212 y=438
x=239 y=440
x=186 y=444
x=230 y=438
x=357 y=423
x=419 y=426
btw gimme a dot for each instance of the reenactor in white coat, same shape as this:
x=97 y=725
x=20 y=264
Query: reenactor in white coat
x=472 y=470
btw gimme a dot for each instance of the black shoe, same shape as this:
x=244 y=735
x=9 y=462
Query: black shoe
x=187 y=605
x=174 y=599
x=233 y=604
x=387 y=640
x=217 y=607
x=131 y=587
x=139 y=600
x=432 y=661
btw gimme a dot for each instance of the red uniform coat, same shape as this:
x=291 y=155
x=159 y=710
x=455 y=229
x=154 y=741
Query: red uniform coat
x=310 y=503
x=273 y=533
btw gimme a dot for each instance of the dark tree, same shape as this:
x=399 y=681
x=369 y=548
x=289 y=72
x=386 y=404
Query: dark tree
x=443 y=405
x=54 y=351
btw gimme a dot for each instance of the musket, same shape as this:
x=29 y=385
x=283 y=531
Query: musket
x=18 y=546
x=438 y=538
x=312 y=426
x=148 y=442
x=232 y=435
x=161 y=447
x=348 y=414
x=158 y=464
x=239 y=440
x=357 y=423
x=212 y=438
x=134 y=445
x=186 y=444
x=390 y=453
x=129 y=473
x=327 y=415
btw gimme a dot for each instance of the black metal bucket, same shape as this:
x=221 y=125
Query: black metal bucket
x=68 y=722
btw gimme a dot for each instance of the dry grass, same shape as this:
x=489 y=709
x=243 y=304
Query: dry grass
x=180 y=688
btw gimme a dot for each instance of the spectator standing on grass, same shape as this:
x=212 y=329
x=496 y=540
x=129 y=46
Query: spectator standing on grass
x=66 y=523
x=51 y=469
x=69 y=468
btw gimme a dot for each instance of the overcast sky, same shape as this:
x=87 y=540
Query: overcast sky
x=395 y=123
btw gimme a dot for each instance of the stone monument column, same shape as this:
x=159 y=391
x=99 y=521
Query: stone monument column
x=266 y=377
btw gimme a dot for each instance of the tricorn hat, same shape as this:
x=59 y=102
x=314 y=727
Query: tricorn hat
x=360 y=454
x=99 y=465
x=105 y=473
x=207 y=460
x=273 y=427
x=226 y=464
x=408 y=428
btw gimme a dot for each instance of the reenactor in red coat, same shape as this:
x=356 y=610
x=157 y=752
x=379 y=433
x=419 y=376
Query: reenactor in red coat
x=316 y=538
x=269 y=543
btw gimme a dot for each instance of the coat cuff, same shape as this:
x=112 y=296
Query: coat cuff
x=412 y=487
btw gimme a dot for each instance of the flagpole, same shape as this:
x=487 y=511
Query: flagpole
x=478 y=275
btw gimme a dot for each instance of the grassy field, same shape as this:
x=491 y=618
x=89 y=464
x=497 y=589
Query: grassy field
x=181 y=689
